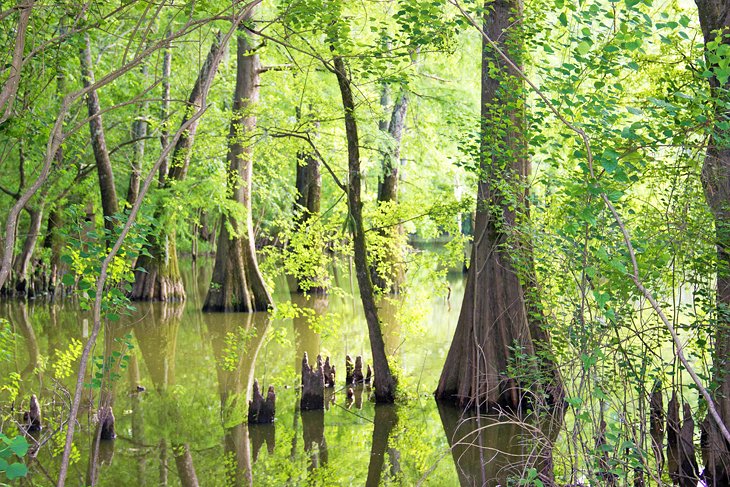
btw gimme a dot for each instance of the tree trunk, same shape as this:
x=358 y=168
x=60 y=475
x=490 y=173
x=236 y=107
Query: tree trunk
x=237 y=284
x=165 y=110
x=494 y=316
x=307 y=205
x=158 y=278
x=384 y=380
x=54 y=242
x=109 y=202
x=716 y=182
x=22 y=262
x=388 y=274
x=139 y=132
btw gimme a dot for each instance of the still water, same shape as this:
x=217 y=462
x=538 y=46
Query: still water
x=182 y=378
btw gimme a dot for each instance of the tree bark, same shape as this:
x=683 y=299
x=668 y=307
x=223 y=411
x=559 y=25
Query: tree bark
x=494 y=316
x=109 y=201
x=139 y=133
x=10 y=87
x=384 y=380
x=23 y=260
x=159 y=277
x=237 y=284
x=306 y=206
x=389 y=274
x=716 y=182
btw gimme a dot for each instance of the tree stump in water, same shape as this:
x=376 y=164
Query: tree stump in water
x=349 y=369
x=369 y=375
x=312 y=385
x=357 y=377
x=260 y=410
x=106 y=423
x=329 y=373
x=32 y=417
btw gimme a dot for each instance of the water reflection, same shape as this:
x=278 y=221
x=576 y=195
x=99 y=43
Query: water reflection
x=156 y=336
x=306 y=336
x=491 y=451
x=187 y=427
x=386 y=418
x=236 y=339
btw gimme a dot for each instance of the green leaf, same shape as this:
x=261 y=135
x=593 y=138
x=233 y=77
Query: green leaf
x=68 y=279
x=16 y=471
x=19 y=445
x=583 y=48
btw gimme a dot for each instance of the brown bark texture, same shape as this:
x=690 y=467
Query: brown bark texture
x=384 y=382
x=158 y=276
x=109 y=201
x=389 y=274
x=494 y=319
x=715 y=23
x=237 y=284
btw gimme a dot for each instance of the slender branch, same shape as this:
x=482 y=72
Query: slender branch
x=10 y=88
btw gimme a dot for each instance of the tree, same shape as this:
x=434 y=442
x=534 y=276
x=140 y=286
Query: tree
x=716 y=181
x=384 y=381
x=494 y=323
x=109 y=201
x=389 y=272
x=158 y=277
x=237 y=284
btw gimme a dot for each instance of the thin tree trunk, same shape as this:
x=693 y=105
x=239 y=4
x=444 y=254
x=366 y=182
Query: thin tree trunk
x=139 y=133
x=236 y=284
x=165 y=110
x=384 y=381
x=109 y=201
x=10 y=87
x=715 y=25
x=494 y=315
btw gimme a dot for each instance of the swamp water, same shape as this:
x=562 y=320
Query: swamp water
x=197 y=368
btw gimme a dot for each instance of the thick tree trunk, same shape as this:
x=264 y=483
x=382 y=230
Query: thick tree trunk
x=388 y=274
x=109 y=201
x=384 y=380
x=54 y=242
x=23 y=260
x=716 y=181
x=237 y=284
x=494 y=316
x=158 y=278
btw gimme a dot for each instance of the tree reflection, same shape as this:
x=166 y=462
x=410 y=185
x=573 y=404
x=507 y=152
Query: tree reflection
x=493 y=450
x=157 y=343
x=236 y=339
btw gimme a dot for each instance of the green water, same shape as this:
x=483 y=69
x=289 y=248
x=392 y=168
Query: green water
x=197 y=370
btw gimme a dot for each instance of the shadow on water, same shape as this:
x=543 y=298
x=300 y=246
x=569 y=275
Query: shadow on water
x=236 y=339
x=491 y=450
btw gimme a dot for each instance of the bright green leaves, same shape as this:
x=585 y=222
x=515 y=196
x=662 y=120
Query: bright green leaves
x=717 y=53
x=11 y=451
